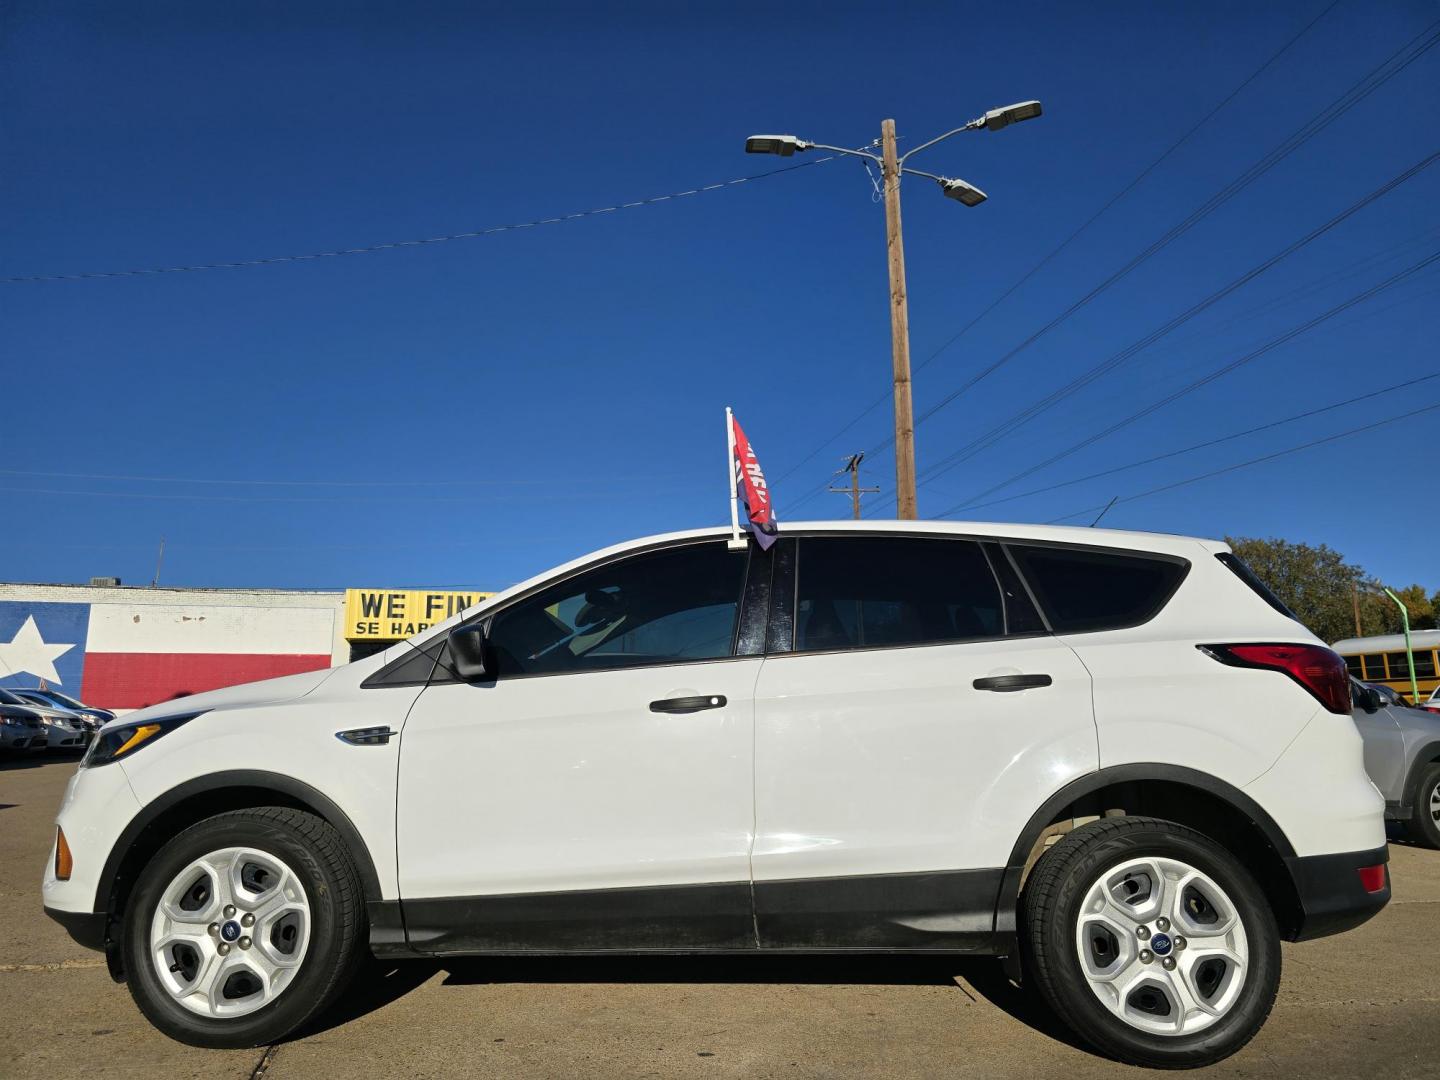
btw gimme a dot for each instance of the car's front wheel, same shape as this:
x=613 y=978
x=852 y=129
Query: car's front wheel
x=1424 y=824
x=1152 y=942
x=243 y=927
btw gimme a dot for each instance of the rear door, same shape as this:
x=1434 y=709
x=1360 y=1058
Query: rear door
x=911 y=715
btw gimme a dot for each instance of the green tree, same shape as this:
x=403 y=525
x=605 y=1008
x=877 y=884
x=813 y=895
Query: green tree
x=1315 y=582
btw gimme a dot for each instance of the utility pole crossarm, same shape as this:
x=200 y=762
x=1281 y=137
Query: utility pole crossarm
x=852 y=466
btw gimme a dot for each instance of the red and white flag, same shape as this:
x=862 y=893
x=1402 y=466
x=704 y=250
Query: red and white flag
x=750 y=487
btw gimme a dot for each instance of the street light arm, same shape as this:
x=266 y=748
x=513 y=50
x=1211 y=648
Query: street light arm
x=926 y=175
x=842 y=150
x=971 y=126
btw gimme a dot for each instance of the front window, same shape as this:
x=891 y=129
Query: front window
x=661 y=607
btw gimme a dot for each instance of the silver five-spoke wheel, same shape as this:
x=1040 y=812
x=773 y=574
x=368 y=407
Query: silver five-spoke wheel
x=230 y=932
x=1162 y=945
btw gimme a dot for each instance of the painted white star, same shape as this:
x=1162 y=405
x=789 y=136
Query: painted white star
x=28 y=652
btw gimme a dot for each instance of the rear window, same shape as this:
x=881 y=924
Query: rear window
x=1082 y=590
x=1245 y=574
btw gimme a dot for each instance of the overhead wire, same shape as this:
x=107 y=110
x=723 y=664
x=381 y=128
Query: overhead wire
x=1105 y=207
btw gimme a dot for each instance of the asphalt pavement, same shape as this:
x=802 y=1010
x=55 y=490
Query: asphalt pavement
x=1364 y=1004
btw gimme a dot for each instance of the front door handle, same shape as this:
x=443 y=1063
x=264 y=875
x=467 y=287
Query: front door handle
x=1008 y=684
x=692 y=704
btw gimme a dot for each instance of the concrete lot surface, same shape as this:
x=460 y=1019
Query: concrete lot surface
x=1366 y=1004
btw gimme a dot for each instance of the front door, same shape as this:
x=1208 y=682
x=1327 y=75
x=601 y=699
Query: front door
x=598 y=793
x=918 y=718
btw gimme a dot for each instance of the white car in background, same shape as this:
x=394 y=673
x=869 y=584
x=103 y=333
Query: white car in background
x=63 y=730
x=1097 y=753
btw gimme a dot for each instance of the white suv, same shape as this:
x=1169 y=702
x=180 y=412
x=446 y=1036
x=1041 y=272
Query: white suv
x=1094 y=752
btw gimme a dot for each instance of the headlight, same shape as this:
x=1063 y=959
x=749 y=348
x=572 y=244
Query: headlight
x=48 y=721
x=128 y=738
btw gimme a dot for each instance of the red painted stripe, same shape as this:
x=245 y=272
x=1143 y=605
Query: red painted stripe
x=135 y=680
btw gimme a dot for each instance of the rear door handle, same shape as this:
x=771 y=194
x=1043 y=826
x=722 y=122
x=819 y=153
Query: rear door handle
x=693 y=704
x=1007 y=684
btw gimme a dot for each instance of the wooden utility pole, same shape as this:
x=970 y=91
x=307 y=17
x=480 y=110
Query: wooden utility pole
x=899 y=330
x=1355 y=603
x=852 y=466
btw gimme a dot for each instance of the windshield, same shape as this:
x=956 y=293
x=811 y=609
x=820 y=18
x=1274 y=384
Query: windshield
x=68 y=702
x=7 y=698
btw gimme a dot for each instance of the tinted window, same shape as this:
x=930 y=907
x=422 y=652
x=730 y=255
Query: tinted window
x=1020 y=614
x=1400 y=665
x=870 y=592
x=1353 y=663
x=660 y=607
x=1424 y=665
x=1374 y=666
x=1245 y=574
x=1095 y=590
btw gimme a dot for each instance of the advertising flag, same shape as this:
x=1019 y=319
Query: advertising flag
x=751 y=488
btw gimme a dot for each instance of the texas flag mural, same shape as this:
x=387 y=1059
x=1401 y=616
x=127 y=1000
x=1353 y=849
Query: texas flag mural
x=130 y=655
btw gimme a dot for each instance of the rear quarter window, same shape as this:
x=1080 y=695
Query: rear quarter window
x=1085 y=590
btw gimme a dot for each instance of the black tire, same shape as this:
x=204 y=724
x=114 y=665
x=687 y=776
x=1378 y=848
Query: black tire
x=1050 y=907
x=1422 y=827
x=317 y=855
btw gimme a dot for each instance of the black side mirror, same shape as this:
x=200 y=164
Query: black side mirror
x=470 y=654
x=1370 y=700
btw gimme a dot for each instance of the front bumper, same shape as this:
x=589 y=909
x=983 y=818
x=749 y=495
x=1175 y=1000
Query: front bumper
x=1333 y=898
x=86 y=927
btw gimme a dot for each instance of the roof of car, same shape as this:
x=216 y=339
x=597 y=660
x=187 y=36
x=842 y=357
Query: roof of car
x=1069 y=534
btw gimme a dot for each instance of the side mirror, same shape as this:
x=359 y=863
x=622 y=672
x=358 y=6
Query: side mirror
x=1370 y=700
x=469 y=653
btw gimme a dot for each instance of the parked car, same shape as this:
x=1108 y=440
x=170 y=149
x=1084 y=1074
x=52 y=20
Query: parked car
x=86 y=724
x=1402 y=756
x=19 y=729
x=1094 y=752
x=63 y=729
x=57 y=700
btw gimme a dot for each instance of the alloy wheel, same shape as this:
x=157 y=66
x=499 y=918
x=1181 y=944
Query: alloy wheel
x=230 y=932
x=1162 y=945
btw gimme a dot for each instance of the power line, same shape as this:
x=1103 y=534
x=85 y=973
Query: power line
x=1357 y=93
x=1255 y=461
x=371 y=249
x=1024 y=416
x=1196 y=446
x=1134 y=182
x=1210 y=377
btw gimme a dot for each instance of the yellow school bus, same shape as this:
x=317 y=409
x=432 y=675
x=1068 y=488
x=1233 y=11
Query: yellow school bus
x=1382 y=660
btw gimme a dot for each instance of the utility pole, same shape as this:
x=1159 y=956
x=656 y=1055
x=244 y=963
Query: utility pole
x=899 y=330
x=159 y=560
x=852 y=466
x=892 y=167
x=1355 y=603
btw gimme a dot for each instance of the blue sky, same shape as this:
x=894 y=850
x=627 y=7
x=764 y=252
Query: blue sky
x=468 y=413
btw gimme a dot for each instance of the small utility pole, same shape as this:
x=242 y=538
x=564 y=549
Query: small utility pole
x=852 y=466
x=899 y=330
x=1355 y=603
x=159 y=560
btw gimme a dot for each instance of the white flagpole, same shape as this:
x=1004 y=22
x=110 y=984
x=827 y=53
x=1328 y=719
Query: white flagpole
x=735 y=540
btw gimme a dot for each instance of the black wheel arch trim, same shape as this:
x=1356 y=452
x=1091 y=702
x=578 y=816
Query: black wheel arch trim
x=279 y=783
x=1426 y=756
x=1008 y=899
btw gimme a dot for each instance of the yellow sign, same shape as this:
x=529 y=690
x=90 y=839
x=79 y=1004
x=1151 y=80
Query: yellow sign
x=392 y=614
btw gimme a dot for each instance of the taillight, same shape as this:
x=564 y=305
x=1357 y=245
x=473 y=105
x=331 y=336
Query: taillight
x=1372 y=878
x=1318 y=669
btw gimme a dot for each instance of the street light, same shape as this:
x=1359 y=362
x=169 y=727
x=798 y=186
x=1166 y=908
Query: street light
x=892 y=166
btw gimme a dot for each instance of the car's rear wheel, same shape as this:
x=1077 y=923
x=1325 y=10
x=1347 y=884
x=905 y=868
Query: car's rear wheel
x=1424 y=824
x=243 y=927
x=1151 y=942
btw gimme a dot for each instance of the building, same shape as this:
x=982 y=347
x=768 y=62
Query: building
x=125 y=647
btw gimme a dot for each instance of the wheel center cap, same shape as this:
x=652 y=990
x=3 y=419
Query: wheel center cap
x=230 y=931
x=1161 y=944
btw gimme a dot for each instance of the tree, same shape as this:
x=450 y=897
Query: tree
x=1324 y=590
x=1316 y=583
